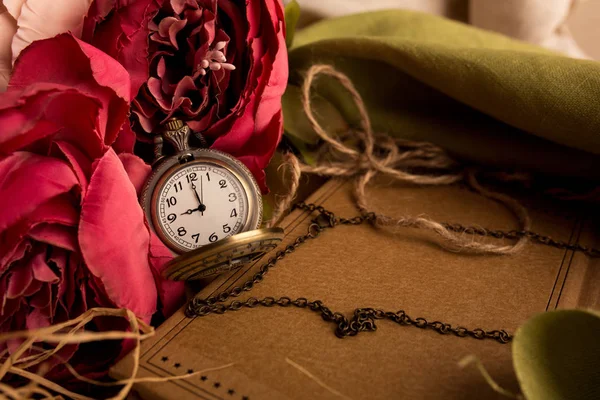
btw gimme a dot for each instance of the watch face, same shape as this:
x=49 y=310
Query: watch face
x=199 y=203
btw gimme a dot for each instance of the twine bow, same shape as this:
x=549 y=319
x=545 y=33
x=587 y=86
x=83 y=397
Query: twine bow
x=363 y=155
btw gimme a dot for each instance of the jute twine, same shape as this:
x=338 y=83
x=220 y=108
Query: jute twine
x=22 y=361
x=362 y=155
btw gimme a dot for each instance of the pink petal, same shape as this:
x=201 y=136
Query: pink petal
x=179 y=5
x=19 y=280
x=14 y=7
x=170 y=293
x=7 y=306
x=42 y=19
x=267 y=140
x=13 y=252
x=8 y=28
x=165 y=24
x=21 y=115
x=194 y=16
x=256 y=133
x=98 y=76
x=80 y=164
x=158 y=39
x=17 y=310
x=185 y=85
x=146 y=122
x=161 y=68
x=32 y=177
x=209 y=26
x=125 y=142
x=155 y=88
x=59 y=258
x=201 y=125
x=124 y=36
x=137 y=170
x=120 y=261
x=36 y=319
x=42 y=298
x=170 y=27
x=49 y=110
x=33 y=288
x=41 y=270
x=174 y=30
x=55 y=235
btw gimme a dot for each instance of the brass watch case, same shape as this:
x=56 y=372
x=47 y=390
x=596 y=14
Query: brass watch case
x=167 y=166
x=225 y=255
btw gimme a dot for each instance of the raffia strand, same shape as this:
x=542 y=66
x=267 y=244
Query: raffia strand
x=71 y=332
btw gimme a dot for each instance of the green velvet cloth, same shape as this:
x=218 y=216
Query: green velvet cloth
x=484 y=97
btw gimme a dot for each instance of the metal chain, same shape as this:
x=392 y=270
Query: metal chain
x=363 y=319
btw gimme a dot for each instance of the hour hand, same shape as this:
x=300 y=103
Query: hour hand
x=189 y=212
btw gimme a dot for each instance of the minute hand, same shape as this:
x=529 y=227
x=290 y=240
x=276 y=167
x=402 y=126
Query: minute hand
x=201 y=206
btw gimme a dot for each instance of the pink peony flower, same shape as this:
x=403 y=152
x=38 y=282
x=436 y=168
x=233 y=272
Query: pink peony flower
x=72 y=233
x=24 y=21
x=220 y=65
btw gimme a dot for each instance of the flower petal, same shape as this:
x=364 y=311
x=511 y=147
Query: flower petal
x=52 y=111
x=179 y=5
x=55 y=235
x=165 y=24
x=8 y=28
x=81 y=165
x=56 y=211
x=124 y=36
x=41 y=270
x=34 y=178
x=255 y=134
x=170 y=293
x=154 y=86
x=14 y=7
x=42 y=19
x=137 y=170
x=19 y=280
x=125 y=141
x=37 y=319
x=111 y=215
x=98 y=76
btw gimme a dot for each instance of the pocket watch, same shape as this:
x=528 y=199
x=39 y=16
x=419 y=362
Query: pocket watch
x=198 y=201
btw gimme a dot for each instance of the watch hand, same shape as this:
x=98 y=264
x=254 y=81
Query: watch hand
x=201 y=206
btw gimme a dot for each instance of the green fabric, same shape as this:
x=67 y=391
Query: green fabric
x=556 y=356
x=482 y=96
x=292 y=14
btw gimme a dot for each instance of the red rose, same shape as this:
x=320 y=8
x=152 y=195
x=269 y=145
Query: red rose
x=72 y=233
x=220 y=65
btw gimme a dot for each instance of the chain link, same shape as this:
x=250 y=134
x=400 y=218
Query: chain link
x=363 y=319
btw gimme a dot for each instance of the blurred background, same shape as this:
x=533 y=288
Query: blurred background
x=584 y=23
x=568 y=26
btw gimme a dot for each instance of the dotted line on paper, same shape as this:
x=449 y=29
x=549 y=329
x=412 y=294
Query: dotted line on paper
x=203 y=378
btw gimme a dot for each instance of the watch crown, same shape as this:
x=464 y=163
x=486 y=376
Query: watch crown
x=176 y=132
x=173 y=124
